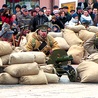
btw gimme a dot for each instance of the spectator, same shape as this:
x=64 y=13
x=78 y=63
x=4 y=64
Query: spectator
x=82 y=4
x=95 y=4
x=72 y=12
x=37 y=8
x=86 y=19
x=67 y=14
x=4 y=6
x=48 y=14
x=38 y=20
x=34 y=13
x=95 y=11
x=55 y=7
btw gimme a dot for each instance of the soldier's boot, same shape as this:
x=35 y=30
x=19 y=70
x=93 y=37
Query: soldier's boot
x=72 y=75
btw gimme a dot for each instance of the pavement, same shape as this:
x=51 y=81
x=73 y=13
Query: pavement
x=63 y=89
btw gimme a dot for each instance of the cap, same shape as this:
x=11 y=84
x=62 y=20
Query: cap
x=56 y=11
x=24 y=6
x=55 y=6
x=41 y=10
x=88 y=8
x=25 y=10
x=78 y=8
x=75 y=15
x=65 y=7
x=17 y=6
x=4 y=5
x=42 y=27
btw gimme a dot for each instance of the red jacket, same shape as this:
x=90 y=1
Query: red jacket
x=8 y=20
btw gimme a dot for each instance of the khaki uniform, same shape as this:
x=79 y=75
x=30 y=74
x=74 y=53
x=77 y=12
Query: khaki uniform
x=35 y=41
x=89 y=45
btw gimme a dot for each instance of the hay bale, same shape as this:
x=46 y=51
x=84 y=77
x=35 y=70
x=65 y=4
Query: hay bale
x=18 y=70
x=6 y=78
x=62 y=43
x=77 y=53
x=88 y=71
x=34 y=79
x=84 y=35
x=71 y=38
x=5 y=48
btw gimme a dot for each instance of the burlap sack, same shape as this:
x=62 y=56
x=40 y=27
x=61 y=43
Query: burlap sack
x=77 y=53
x=52 y=78
x=48 y=68
x=17 y=49
x=6 y=78
x=18 y=70
x=76 y=28
x=23 y=42
x=34 y=79
x=84 y=35
x=1 y=64
x=71 y=38
x=62 y=43
x=5 y=59
x=40 y=57
x=5 y=48
x=93 y=57
x=92 y=29
x=54 y=34
x=88 y=71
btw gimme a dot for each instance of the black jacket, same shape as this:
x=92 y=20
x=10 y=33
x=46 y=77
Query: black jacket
x=85 y=4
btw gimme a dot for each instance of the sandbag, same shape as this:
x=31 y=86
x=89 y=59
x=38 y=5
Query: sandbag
x=5 y=48
x=1 y=64
x=55 y=34
x=77 y=53
x=76 y=28
x=92 y=29
x=62 y=43
x=52 y=78
x=34 y=79
x=17 y=49
x=40 y=57
x=23 y=42
x=18 y=70
x=71 y=38
x=48 y=68
x=84 y=35
x=5 y=59
x=6 y=78
x=21 y=57
x=93 y=57
x=88 y=71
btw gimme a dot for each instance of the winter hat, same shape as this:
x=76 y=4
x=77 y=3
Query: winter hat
x=75 y=15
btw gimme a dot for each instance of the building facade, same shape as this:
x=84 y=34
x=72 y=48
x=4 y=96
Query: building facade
x=31 y=3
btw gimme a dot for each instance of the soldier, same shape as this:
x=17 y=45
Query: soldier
x=91 y=45
x=41 y=41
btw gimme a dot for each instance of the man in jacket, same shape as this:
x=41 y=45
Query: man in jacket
x=40 y=41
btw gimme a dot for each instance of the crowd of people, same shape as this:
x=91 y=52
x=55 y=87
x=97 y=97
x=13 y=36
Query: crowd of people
x=56 y=19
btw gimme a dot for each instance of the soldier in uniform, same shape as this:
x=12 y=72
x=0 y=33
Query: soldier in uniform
x=41 y=41
x=91 y=45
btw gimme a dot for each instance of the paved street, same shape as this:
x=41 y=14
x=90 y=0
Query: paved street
x=64 y=89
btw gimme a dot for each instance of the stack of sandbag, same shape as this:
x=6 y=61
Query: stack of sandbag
x=27 y=57
x=84 y=35
x=92 y=29
x=71 y=38
x=77 y=52
x=88 y=71
x=5 y=51
x=55 y=34
x=76 y=28
x=62 y=43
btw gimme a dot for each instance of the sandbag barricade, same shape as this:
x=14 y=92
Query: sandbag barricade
x=88 y=71
x=62 y=43
x=27 y=57
x=76 y=28
x=71 y=38
x=92 y=29
x=77 y=53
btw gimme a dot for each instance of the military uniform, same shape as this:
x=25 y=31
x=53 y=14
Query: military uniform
x=37 y=43
x=91 y=45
